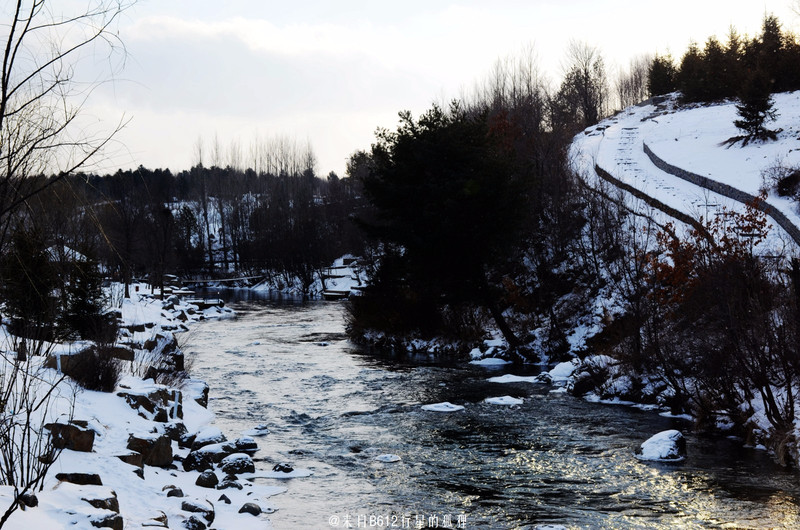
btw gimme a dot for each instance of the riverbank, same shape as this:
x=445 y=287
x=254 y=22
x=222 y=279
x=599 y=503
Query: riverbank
x=124 y=461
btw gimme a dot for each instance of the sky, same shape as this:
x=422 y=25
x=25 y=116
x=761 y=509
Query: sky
x=331 y=73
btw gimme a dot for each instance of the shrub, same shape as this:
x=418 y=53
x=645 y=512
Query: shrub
x=93 y=368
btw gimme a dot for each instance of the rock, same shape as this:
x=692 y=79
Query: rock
x=175 y=492
x=251 y=508
x=137 y=401
x=194 y=523
x=105 y=502
x=205 y=509
x=246 y=444
x=229 y=483
x=158 y=402
x=208 y=436
x=666 y=446
x=81 y=479
x=207 y=479
x=186 y=441
x=224 y=498
x=218 y=451
x=156 y=449
x=133 y=458
x=71 y=436
x=160 y=521
x=29 y=500
x=197 y=461
x=175 y=430
x=283 y=468
x=197 y=390
x=113 y=521
x=120 y=352
x=237 y=463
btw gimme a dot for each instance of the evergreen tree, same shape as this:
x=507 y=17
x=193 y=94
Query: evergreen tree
x=755 y=108
x=662 y=76
x=28 y=287
x=692 y=76
x=714 y=71
x=84 y=300
x=450 y=204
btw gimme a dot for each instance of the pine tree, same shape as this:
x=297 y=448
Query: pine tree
x=755 y=108
x=661 y=77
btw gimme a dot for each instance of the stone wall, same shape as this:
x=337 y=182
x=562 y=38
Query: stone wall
x=727 y=191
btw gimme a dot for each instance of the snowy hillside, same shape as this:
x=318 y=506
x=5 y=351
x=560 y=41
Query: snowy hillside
x=693 y=139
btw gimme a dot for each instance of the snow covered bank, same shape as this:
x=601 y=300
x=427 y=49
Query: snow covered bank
x=126 y=456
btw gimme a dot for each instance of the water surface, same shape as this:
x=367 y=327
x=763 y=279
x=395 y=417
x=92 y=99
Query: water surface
x=333 y=409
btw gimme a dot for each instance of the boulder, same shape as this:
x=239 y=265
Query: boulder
x=175 y=492
x=158 y=402
x=197 y=461
x=120 y=352
x=224 y=498
x=29 y=500
x=72 y=436
x=218 y=451
x=156 y=449
x=237 y=463
x=204 y=508
x=229 y=482
x=194 y=523
x=81 y=479
x=197 y=390
x=282 y=468
x=133 y=458
x=246 y=444
x=175 y=430
x=159 y=521
x=112 y=520
x=108 y=501
x=251 y=508
x=207 y=479
x=666 y=446
x=208 y=436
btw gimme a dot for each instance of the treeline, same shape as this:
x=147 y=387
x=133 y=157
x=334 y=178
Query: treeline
x=719 y=70
x=209 y=222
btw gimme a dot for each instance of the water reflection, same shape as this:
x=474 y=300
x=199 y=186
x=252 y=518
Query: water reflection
x=552 y=459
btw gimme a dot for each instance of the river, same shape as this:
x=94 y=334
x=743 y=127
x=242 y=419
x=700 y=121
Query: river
x=554 y=459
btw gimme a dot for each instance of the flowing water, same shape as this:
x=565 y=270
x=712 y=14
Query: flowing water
x=555 y=459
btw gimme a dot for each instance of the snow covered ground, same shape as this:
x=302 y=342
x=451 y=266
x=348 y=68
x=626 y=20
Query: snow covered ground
x=693 y=139
x=148 y=495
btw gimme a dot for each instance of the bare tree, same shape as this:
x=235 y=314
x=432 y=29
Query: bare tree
x=42 y=96
x=583 y=96
x=42 y=132
x=632 y=84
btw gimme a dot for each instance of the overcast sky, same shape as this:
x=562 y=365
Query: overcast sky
x=331 y=72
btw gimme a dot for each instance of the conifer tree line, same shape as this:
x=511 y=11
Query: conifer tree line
x=718 y=70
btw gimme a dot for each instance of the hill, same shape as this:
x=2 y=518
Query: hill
x=636 y=145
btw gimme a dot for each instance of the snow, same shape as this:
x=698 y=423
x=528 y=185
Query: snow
x=562 y=371
x=388 y=458
x=692 y=138
x=113 y=421
x=490 y=362
x=663 y=447
x=443 y=407
x=504 y=400
x=509 y=378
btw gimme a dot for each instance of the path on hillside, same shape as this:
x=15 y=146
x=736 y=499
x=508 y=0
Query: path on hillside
x=622 y=161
